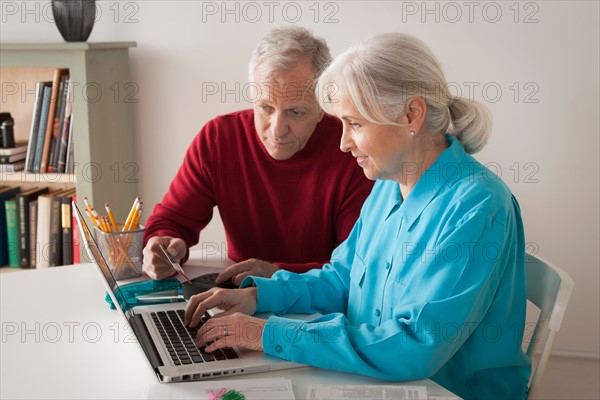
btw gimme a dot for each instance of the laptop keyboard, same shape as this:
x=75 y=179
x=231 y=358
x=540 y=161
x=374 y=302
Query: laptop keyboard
x=179 y=339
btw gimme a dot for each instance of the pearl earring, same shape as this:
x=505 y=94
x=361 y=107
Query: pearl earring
x=412 y=133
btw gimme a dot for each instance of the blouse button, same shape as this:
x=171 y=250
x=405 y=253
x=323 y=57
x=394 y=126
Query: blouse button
x=377 y=312
x=387 y=265
x=278 y=349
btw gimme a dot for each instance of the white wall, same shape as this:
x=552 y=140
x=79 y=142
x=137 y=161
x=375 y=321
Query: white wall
x=535 y=64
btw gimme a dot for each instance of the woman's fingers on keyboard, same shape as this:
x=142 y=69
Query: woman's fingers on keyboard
x=196 y=307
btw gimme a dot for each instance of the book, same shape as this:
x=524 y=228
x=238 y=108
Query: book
x=70 y=161
x=43 y=229
x=67 y=228
x=20 y=147
x=35 y=124
x=58 y=72
x=12 y=232
x=65 y=130
x=55 y=250
x=39 y=142
x=55 y=234
x=34 y=248
x=12 y=158
x=12 y=167
x=6 y=193
x=54 y=133
x=59 y=116
x=23 y=200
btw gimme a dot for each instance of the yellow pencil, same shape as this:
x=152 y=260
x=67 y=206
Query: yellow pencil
x=106 y=223
x=111 y=217
x=102 y=224
x=87 y=204
x=91 y=217
x=138 y=215
x=131 y=214
x=96 y=216
x=130 y=225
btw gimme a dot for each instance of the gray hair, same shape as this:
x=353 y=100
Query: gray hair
x=381 y=74
x=281 y=48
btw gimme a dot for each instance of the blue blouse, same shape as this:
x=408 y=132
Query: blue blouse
x=431 y=286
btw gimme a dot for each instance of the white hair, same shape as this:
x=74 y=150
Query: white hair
x=281 y=48
x=382 y=73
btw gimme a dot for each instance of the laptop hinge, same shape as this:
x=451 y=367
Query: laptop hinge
x=143 y=337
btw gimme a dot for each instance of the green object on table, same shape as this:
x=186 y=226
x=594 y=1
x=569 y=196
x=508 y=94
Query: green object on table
x=147 y=292
x=233 y=395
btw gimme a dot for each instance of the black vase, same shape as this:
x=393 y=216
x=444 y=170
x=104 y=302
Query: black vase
x=74 y=18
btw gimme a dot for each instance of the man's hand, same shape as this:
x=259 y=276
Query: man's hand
x=237 y=272
x=155 y=265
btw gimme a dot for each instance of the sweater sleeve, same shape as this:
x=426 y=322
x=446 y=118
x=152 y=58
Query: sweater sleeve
x=299 y=268
x=188 y=205
x=410 y=344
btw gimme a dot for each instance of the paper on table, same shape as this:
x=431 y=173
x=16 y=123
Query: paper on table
x=442 y=398
x=365 y=392
x=252 y=389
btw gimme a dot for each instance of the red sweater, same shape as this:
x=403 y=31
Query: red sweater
x=292 y=213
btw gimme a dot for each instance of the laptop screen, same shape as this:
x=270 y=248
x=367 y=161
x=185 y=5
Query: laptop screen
x=94 y=253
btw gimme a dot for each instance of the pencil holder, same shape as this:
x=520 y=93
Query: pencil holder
x=122 y=251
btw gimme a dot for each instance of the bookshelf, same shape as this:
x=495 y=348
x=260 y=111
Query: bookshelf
x=103 y=98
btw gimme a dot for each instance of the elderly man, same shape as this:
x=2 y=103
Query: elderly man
x=286 y=194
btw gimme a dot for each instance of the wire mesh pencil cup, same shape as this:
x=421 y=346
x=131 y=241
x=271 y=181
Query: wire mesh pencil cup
x=123 y=251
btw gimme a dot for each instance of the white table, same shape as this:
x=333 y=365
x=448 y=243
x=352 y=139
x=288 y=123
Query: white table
x=60 y=341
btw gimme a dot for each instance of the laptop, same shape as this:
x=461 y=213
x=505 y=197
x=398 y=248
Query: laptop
x=167 y=343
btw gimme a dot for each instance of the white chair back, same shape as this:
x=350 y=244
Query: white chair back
x=549 y=288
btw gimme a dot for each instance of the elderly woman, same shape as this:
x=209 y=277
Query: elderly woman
x=430 y=282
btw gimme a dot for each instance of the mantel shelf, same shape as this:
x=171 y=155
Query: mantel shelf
x=67 y=46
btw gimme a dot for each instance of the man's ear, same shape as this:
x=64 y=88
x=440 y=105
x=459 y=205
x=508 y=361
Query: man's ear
x=321 y=114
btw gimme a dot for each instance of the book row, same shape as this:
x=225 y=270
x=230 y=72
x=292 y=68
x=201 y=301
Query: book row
x=37 y=227
x=50 y=145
